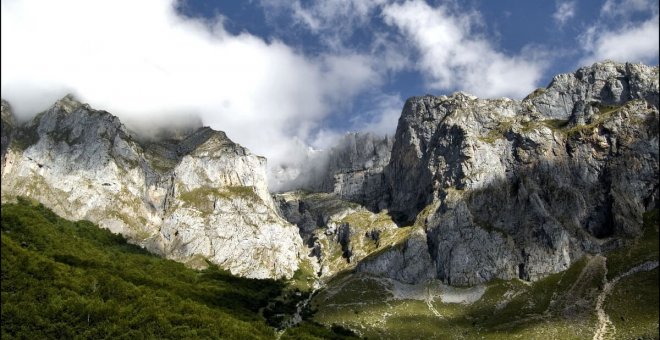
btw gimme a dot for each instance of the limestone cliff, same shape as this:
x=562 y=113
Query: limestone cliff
x=355 y=169
x=524 y=188
x=189 y=198
x=501 y=188
x=352 y=169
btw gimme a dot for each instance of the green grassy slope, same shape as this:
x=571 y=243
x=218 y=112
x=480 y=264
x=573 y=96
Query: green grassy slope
x=63 y=279
x=559 y=306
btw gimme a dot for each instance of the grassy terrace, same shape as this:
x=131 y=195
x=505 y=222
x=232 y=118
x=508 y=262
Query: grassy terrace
x=64 y=280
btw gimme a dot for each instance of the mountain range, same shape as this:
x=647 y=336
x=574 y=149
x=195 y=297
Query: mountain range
x=467 y=192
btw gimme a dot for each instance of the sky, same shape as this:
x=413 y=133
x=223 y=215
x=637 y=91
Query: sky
x=283 y=76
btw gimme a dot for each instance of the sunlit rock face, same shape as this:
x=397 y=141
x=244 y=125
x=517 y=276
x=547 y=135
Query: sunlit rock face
x=192 y=197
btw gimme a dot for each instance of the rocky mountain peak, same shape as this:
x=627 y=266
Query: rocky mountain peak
x=68 y=104
x=546 y=178
x=193 y=198
x=605 y=83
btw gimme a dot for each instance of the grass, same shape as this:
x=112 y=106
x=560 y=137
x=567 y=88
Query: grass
x=63 y=279
x=304 y=277
x=642 y=249
x=497 y=133
x=202 y=198
x=633 y=306
x=555 y=124
x=507 y=310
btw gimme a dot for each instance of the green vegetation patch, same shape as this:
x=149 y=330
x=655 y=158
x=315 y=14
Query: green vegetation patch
x=633 y=306
x=642 y=249
x=310 y=330
x=202 y=198
x=508 y=309
x=498 y=132
x=555 y=124
x=304 y=277
x=63 y=279
x=370 y=235
x=605 y=113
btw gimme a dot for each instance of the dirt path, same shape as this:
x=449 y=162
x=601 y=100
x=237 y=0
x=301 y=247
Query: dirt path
x=605 y=326
x=429 y=303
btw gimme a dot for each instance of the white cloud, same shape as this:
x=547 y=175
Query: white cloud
x=565 y=11
x=382 y=119
x=630 y=43
x=627 y=7
x=142 y=61
x=327 y=14
x=453 y=57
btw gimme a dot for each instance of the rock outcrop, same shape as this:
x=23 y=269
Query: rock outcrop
x=524 y=188
x=343 y=236
x=191 y=198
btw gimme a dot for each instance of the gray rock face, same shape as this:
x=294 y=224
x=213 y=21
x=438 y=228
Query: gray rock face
x=353 y=170
x=356 y=169
x=8 y=127
x=408 y=262
x=189 y=199
x=345 y=236
x=503 y=188
x=523 y=189
x=606 y=83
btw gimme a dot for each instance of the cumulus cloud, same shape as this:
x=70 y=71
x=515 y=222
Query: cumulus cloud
x=143 y=62
x=453 y=57
x=565 y=11
x=629 y=40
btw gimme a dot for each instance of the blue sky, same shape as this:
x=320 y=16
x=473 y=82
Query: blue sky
x=280 y=76
x=555 y=31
